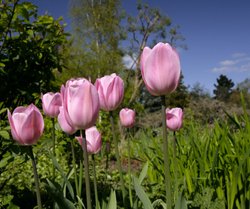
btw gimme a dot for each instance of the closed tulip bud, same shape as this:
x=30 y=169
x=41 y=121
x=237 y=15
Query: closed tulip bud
x=65 y=126
x=174 y=118
x=26 y=124
x=160 y=69
x=93 y=139
x=111 y=90
x=80 y=103
x=51 y=103
x=127 y=117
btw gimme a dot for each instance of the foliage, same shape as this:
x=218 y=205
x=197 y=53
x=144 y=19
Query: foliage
x=96 y=35
x=29 y=52
x=212 y=163
x=223 y=88
x=198 y=92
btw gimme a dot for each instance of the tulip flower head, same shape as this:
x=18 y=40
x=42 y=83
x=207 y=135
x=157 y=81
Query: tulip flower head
x=111 y=90
x=51 y=103
x=80 y=103
x=127 y=117
x=174 y=118
x=65 y=126
x=160 y=68
x=93 y=139
x=26 y=124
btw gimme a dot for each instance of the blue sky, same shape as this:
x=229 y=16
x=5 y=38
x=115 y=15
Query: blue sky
x=217 y=34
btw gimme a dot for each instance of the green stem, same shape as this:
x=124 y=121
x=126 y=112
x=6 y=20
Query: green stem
x=95 y=183
x=129 y=173
x=75 y=170
x=175 y=167
x=54 y=146
x=118 y=157
x=81 y=174
x=107 y=157
x=166 y=155
x=38 y=195
x=86 y=169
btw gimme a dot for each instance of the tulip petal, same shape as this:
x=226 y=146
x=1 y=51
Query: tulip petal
x=83 y=111
x=32 y=128
x=13 y=128
x=160 y=69
x=65 y=126
x=115 y=93
x=102 y=98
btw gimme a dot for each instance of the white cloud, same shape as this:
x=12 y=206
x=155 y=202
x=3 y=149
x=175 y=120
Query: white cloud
x=238 y=54
x=227 y=62
x=239 y=62
x=129 y=62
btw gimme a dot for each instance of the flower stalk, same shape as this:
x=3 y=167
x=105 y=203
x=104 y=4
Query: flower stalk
x=129 y=173
x=166 y=154
x=54 y=146
x=86 y=169
x=117 y=157
x=95 y=183
x=175 y=166
x=38 y=195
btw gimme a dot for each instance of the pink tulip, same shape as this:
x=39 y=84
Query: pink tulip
x=51 y=103
x=127 y=117
x=93 y=139
x=26 y=124
x=160 y=68
x=174 y=118
x=80 y=103
x=65 y=126
x=111 y=90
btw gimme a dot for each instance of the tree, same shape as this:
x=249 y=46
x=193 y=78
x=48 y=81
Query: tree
x=29 y=52
x=223 y=88
x=243 y=88
x=97 y=33
x=198 y=92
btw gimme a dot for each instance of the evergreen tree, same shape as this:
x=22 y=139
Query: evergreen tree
x=223 y=88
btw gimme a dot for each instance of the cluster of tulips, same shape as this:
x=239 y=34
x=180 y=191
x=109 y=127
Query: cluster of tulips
x=77 y=106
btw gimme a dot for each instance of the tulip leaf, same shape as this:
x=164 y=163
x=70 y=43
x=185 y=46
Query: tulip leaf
x=142 y=194
x=143 y=173
x=56 y=192
x=112 y=200
x=159 y=202
x=66 y=181
x=181 y=202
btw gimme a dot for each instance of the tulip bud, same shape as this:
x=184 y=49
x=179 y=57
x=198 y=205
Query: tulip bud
x=127 y=117
x=26 y=124
x=93 y=139
x=160 y=68
x=51 y=103
x=174 y=118
x=111 y=90
x=65 y=126
x=80 y=103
